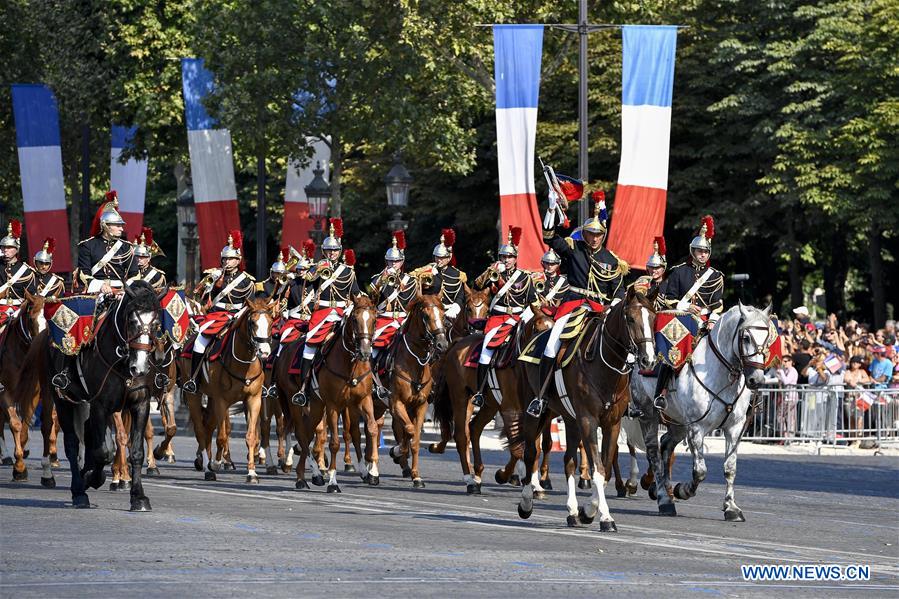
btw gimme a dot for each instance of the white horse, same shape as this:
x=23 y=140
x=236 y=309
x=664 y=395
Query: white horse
x=712 y=391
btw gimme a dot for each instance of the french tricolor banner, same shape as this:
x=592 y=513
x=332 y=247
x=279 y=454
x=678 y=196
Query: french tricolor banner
x=40 y=165
x=298 y=224
x=518 y=52
x=211 y=165
x=647 y=82
x=129 y=180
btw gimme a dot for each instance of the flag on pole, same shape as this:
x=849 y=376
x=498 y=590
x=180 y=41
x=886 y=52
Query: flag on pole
x=40 y=166
x=298 y=222
x=129 y=180
x=647 y=82
x=517 y=52
x=211 y=165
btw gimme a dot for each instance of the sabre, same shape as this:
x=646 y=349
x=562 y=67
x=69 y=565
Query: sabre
x=553 y=183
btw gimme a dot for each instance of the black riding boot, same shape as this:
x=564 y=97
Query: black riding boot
x=190 y=385
x=478 y=398
x=660 y=401
x=299 y=398
x=538 y=404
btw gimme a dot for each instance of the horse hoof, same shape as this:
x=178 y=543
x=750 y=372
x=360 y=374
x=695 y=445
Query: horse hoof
x=19 y=477
x=584 y=483
x=171 y=460
x=349 y=468
x=546 y=484
x=622 y=492
x=229 y=466
x=418 y=484
x=318 y=480
x=26 y=453
x=334 y=489
x=498 y=477
x=252 y=479
x=541 y=494
x=572 y=521
x=652 y=493
x=680 y=491
x=7 y=461
x=114 y=486
x=271 y=470
x=301 y=484
x=48 y=483
x=608 y=526
x=198 y=464
x=407 y=472
x=141 y=504
x=435 y=448
x=630 y=489
x=283 y=466
x=124 y=485
x=81 y=502
x=209 y=475
x=473 y=489
x=523 y=513
x=515 y=480
x=646 y=482
x=152 y=472
x=583 y=517
x=374 y=481
x=158 y=453
x=667 y=509
x=734 y=515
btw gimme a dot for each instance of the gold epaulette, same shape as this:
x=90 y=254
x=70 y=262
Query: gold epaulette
x=570 y=242
x=463 y=277
x=260 y=286
x=623 y=266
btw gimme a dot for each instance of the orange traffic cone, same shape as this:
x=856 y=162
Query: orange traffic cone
x=554 y=435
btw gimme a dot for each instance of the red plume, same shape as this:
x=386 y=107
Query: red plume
x=285 y=255
x=400 y=237
x=709 y=223
x=51 y=244
x=236 y=238
x=452 y=260
x=598 y=196
x=449 y=238
x=337 y=223
x=148 y=235
x=309 y=248
x=516 y=235
x=111 y=196
x=16 y=227
x=662 y=249
x=349 y=257
x=95 y=225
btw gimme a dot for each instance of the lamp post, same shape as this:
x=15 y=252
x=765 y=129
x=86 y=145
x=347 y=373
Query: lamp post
x=188 y=218
x=398 y=181
x=318 y=192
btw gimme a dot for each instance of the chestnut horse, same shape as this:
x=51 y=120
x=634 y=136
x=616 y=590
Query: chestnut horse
x=236 y=376
x=412 y=378
x=593 y=393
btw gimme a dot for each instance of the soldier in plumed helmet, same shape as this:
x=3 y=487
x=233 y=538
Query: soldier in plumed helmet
x=442 y=278
x=16 y=277
x=105 y=260
x=300 y=297
x=551 y=284
x=655 y=269
x=278 y=281
x=223 y=291
x=48 y=284
x=145 y=248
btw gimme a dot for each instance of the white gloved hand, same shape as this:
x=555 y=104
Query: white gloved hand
x=453 y=310
x=616 y=300
x=500 y=267
x=553 y=199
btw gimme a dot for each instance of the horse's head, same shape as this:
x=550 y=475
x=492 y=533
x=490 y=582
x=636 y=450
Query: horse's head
x=477 y=303
x=753 y=335
x=260 y=316
x=363 y=320
x=37 y=322
x=428 y=311
x=540 y=322
x=137 y=323
x=639 y=318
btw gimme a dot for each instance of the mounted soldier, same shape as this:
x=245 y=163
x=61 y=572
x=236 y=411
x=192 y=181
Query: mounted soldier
x=655 y=269
x=224 y=292
x=278 y=282
x=48 y=284
x=442 y=278
x=145 y=248
x=513 y=293
x=334 y=282
x=595 y=277
x=694 y=287
x=105 y=260
x=391 y=290
x=300 y=298
x=551 y=284
x=16 y=277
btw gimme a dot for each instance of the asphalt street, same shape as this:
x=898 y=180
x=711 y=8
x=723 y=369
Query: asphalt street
x=228 y=538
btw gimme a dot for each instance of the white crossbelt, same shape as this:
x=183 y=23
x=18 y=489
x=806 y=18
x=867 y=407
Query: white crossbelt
x=106 y=257
x=229 y=287
x=555 y=288
x=16 y=276
x=684 y=303
x=505 y=288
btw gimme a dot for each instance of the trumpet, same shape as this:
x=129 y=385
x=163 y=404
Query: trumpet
x=424 y=275
x=392 y=280
x=295 y=258
x=540 y=286
x=494 y=275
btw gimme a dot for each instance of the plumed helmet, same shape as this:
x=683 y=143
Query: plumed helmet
x=550 y=257
x=444 y=249
x=598 y=222
x=144 y=245
x=109 y=214
x=398 y=245
x=657 y=258
x=513 y=239
x=703 y=239
x=45 y=254
x=333 y=240
x=13 y=235
x=308 y=255
x=279 y=266
x=235 y=243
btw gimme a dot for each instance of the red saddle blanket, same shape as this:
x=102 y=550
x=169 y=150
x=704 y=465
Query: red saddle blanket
x=215 y=322
x=503 y=324
x=213 y=351
x=385 y=330
x=292 y=329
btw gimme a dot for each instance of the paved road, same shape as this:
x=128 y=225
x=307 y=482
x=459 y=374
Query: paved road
x=227 y=538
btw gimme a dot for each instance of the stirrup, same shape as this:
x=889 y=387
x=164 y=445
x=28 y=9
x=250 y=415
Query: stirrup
x=190 y=386
x=660 y=402
x=60 y=380
x=299 y=399
x=477 y=400
x=535 y=408
x=381 y=393
x=633 y=411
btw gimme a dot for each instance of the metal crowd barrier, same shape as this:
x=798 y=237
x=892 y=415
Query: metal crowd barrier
x=824 y=415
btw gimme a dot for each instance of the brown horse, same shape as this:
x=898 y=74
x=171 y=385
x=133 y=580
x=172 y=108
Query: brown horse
x=423 y=340
x=453 y=408
x=18 y=337
x=236 y=376
x=593 y=393
x=343 y=382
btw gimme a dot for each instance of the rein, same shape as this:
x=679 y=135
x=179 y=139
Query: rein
x=430 y=354
x=254 y=344
x=349 y=379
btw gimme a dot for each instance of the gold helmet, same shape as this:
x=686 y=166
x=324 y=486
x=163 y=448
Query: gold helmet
x=444 y=249
x=658 y=254
x=703 y=239
x=334 y=240
x=235 y=243
x=597 y=224
x=13 y=235
x=145 y=245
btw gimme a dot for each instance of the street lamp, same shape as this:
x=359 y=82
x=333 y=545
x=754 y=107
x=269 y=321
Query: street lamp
x=187 y=216
x=398 y=181
x=318 y=192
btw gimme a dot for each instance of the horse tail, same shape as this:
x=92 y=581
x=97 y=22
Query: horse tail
x=512 y=435
x=443 y=410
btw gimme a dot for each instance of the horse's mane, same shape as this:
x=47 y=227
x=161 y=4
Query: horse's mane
x=363 y=301
x=143 y=298
x=421 y=302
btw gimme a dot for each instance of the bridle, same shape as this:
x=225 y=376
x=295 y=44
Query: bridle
x=255 y=342
x=358 y=337
x=430 y=353
x=631 y=348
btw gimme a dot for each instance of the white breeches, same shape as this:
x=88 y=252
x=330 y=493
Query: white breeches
x=554 y=342
x=201 y=344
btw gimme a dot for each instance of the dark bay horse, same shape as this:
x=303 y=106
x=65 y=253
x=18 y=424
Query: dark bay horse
x=238 y=375
x=423 y=339
x=590 y=392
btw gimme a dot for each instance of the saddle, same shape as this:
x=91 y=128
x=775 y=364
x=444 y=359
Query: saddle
x=320 y=356
x=505 y=355
x=213 y=350
x=587 y=331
